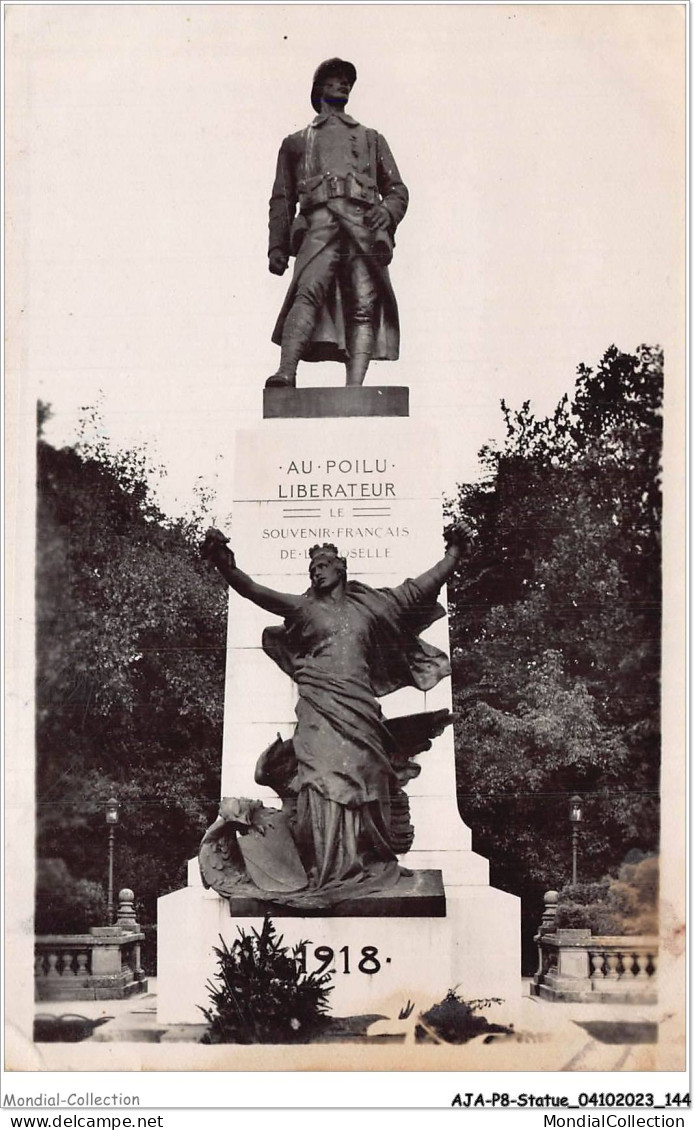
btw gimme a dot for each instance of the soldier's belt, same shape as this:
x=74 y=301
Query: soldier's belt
x=322 y=189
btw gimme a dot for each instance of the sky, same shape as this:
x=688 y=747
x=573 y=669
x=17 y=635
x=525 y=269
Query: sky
x=543 y=147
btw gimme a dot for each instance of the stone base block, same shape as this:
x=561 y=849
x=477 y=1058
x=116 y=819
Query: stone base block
x=380 y=962
x=323 y=403
x=101 y=988
x=419 y=895
x=585 y=994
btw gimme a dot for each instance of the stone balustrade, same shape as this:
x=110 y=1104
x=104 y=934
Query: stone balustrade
x=104 y=964
x=575 y=965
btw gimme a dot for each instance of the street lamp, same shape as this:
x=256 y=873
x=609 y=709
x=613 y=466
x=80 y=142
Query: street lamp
x=575 y=816
x=112 y=807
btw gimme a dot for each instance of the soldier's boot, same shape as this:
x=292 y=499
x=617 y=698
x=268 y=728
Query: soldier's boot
x=360 y=349
x=296 y=335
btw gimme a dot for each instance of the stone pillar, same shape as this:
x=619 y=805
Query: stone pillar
x=372 y=487
x=574 y=963
x=549 y=912
x=300 y=482
x=106 y=956
x=126 y=911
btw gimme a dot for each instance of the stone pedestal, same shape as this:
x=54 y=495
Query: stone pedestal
x=372 y=488
x=419 y=894
x=475 y=947
x=321 y=403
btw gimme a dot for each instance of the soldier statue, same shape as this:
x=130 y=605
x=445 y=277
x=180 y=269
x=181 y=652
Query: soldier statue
x=350 y=198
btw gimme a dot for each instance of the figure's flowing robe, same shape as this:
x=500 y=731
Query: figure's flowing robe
x=342 y=656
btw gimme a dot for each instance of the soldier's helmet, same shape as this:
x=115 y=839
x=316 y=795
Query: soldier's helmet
x=325 y=70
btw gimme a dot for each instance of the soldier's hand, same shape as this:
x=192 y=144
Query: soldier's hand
x=377 y=217
x=277 y=262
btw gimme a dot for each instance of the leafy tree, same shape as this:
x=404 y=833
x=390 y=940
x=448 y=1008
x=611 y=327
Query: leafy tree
x=625 y=903
x=65 y=905
x=130 y=670
x=557 y=643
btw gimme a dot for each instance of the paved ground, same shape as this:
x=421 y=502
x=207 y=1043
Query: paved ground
x=581 y=1037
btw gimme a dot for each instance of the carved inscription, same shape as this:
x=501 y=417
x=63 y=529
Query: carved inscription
x=347 y=501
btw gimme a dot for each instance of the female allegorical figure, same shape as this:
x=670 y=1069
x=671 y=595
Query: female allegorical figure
x=345 y=644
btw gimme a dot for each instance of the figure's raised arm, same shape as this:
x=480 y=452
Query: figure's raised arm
x=457 y=545
x=216 y=550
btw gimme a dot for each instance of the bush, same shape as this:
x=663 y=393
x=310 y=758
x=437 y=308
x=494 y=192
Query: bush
x=65 y=905
x=454 y=1020
x=616 y=905
x=262 y=996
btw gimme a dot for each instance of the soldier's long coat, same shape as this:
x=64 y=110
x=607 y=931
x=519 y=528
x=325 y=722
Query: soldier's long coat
x=297 y=166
